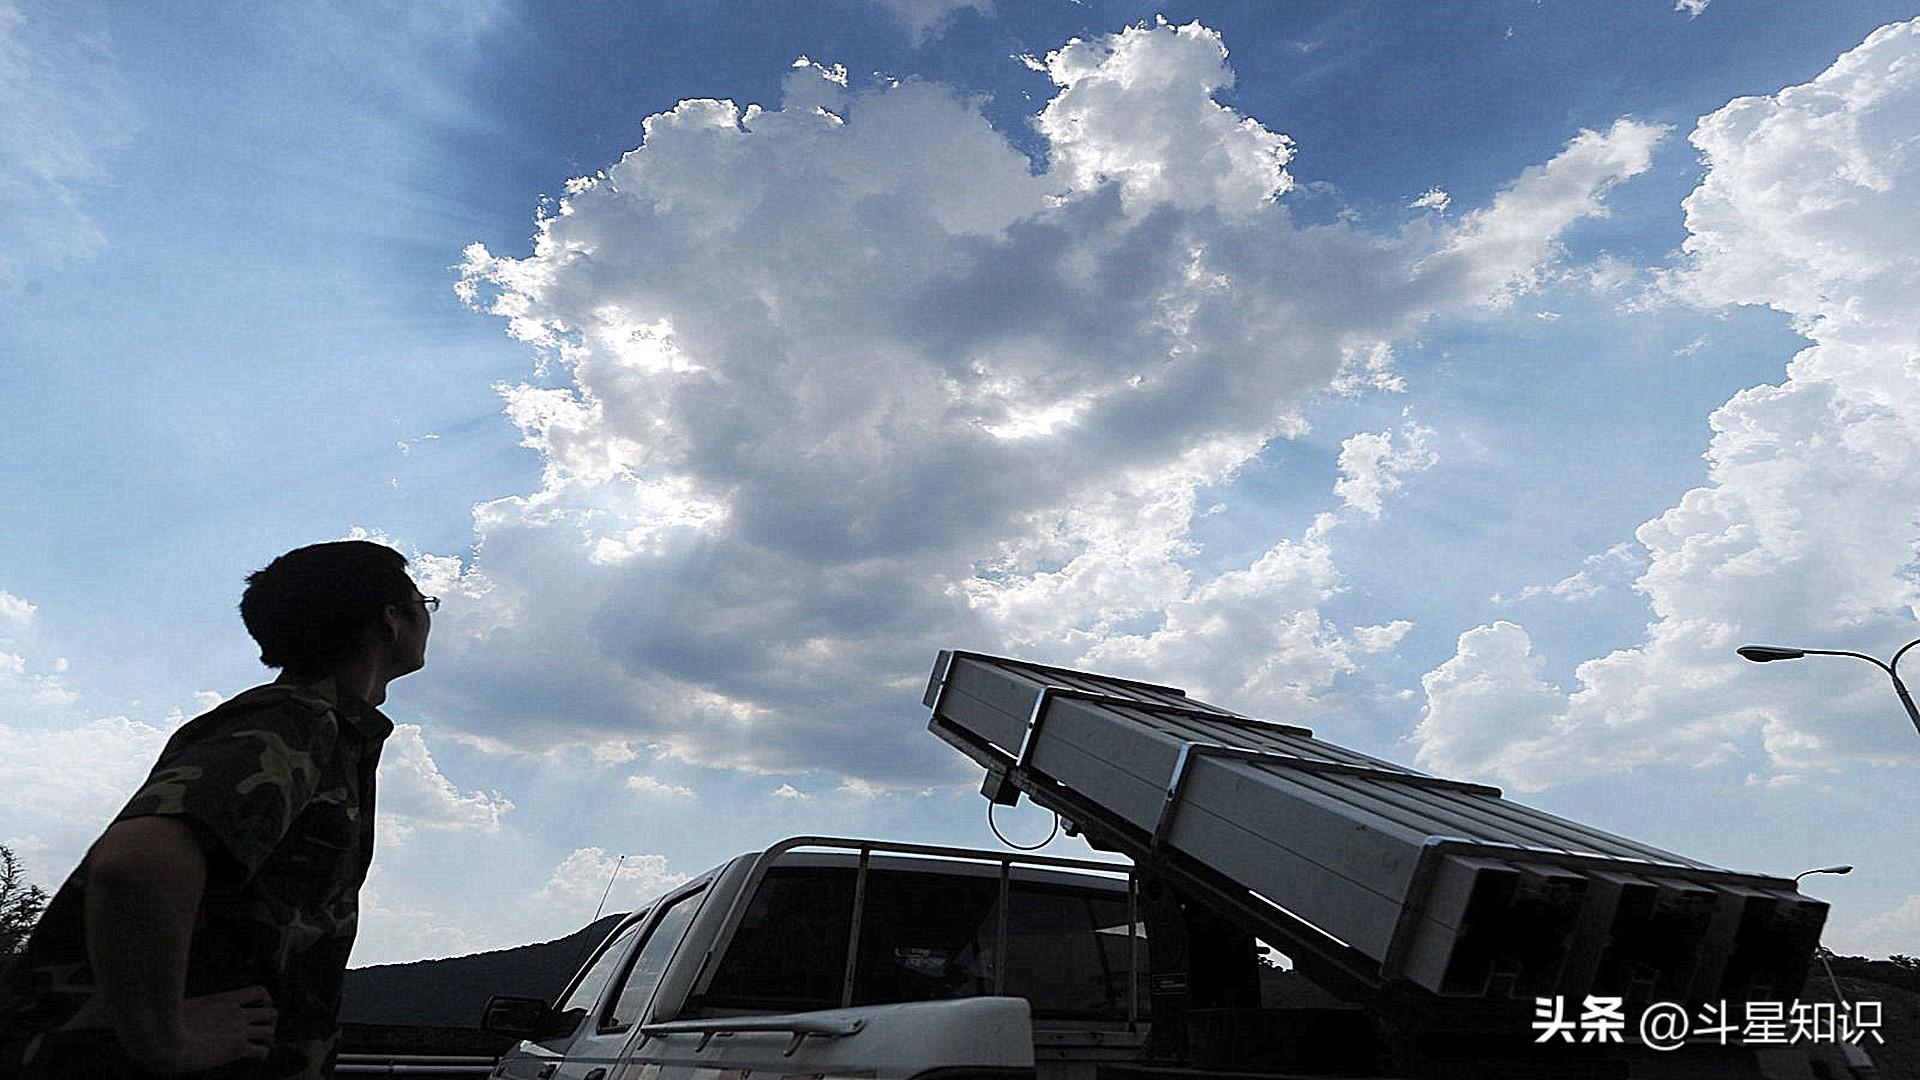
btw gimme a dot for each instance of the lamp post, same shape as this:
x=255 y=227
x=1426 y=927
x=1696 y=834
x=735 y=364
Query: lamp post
x=1822 y=953
x=1766 y=654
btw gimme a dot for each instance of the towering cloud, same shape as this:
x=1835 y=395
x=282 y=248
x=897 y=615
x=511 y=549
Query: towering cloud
x=1807 y=529
x=832 y=385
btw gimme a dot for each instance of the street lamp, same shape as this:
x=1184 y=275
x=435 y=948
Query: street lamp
x=1822 y=953
x=1823 y=870
x=1766 y=654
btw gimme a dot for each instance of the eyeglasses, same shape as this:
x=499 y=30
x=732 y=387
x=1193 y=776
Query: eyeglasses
x=431 y=603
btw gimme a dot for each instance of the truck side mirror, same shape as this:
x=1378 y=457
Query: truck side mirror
x=521 y=1017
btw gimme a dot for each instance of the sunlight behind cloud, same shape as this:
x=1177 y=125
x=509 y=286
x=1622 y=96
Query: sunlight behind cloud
x=925 y=397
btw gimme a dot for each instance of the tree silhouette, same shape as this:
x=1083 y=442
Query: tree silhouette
x=20 y=904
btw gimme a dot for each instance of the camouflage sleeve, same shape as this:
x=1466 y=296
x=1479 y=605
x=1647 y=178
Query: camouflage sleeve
x=240 y=780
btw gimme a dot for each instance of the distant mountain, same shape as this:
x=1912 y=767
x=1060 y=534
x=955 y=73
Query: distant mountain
x=453 y=992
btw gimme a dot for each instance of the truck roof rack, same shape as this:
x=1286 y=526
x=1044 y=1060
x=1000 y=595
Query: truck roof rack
x=1374 y=877
x=1005 y=862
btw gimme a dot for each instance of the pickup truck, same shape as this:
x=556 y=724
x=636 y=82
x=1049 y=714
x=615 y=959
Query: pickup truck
x=962 y=963
x=1277 y=907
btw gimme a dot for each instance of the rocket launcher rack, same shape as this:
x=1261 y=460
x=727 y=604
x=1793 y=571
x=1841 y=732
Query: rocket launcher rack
x=1373 y=877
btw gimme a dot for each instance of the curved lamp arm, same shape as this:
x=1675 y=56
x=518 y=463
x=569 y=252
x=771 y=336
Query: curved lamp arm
x=1763 y=654
x=1896 y=657
x=1900 y=688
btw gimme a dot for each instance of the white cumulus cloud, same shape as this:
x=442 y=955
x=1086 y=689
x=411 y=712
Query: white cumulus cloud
x=1382 y=637
x=14 y=610
x=1805 y=532
x=583 y=877
x=1128 y=114
x=63 y=785
x=1501 y=250
x=1254 y=637
x=35 y=686
x=648 y=785
x=835 y=384
x=1488 y=706
x=415 y=794
x=1373 y=462
x=864 y=790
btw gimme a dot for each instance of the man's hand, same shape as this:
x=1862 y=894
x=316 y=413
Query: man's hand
x=214 y=1030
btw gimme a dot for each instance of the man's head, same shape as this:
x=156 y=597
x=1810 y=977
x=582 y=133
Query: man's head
x=317 y=607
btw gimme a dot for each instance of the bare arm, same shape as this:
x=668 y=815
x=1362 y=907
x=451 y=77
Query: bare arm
x=145 y=880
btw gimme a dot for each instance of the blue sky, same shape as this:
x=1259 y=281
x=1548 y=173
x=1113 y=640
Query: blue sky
x=1463 y=381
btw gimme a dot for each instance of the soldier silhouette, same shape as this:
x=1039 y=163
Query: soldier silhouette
x=206 y=932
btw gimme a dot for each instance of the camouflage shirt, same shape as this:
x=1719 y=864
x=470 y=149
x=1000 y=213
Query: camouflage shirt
x=278 y=785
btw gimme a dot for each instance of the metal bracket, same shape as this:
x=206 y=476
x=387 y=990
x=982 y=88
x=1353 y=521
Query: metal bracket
x=950 y=658
x=998 y=787
x=1028 y=742
x=1182 y=768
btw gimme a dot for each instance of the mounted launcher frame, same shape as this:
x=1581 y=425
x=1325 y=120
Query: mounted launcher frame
x=1373 y=877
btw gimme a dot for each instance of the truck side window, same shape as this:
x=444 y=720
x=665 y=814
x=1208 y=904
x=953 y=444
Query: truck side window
x=790 y=951
x=924 y=937
x=931 y=936
x=927 y=936
x=651 y=963
x=1067 y=952
x=580 y=1002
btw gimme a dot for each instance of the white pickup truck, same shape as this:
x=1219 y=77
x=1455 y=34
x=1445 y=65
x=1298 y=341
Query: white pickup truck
x=1419 y=922
x=959 y=964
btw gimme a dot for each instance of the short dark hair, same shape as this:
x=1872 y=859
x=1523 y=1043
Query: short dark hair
x=308 y=607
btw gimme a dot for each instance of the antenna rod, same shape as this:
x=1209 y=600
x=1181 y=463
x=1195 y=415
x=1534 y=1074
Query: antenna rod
x=609 y=890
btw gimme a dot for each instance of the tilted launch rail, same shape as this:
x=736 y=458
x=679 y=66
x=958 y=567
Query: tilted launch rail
x=1369 y=874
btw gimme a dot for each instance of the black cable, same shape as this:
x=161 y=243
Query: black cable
x=1018 y=847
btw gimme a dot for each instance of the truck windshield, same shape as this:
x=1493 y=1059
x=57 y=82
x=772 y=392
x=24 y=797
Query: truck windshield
x=925 y=936
x=587 y=991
